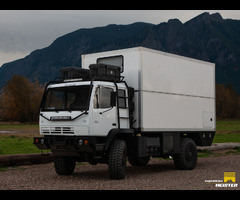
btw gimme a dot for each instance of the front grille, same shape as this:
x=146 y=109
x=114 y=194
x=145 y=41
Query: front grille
x=57 y=130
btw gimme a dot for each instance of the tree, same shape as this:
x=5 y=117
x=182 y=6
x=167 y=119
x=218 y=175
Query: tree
x=227 y=101
x=20 y=100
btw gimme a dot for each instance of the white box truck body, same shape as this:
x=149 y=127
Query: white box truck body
x=172 y=93
x=136 y=103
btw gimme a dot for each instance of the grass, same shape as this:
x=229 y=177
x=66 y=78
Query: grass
x=226 y=137
x=17 y=145
x=227 y=131
x=206 y=153
x=18 y=127
x=21 y=143
x=228 y=126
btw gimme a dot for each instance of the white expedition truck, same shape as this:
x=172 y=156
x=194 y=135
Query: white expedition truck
x=132 y=103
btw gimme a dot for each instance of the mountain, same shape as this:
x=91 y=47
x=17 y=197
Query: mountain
x=44 y=64
x=207 y=37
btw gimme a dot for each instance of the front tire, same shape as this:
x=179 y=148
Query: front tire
x=187 y=158
x=64 y=165
x=117 y=159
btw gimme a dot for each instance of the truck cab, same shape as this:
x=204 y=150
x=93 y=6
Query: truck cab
x=83 y=108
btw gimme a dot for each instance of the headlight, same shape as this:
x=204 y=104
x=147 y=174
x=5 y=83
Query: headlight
x=80 y=142
x=42 y=141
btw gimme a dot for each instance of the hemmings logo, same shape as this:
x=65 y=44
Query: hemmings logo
x=229 y=180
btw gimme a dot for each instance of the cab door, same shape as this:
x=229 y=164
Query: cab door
x=104 y=117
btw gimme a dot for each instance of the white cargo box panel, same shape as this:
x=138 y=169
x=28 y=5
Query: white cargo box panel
x=172 y=93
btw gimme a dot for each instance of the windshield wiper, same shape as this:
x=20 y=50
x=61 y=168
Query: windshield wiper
x=84 y=113
x=106 y=110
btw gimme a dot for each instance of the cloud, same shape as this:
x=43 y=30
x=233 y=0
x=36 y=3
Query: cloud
x=10 y=56
x=24 y=31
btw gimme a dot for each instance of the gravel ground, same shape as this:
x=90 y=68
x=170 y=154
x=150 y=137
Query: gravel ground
x=159 y=174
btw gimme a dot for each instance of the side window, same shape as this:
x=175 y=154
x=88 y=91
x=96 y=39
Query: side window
x=102 y=97
x=122 y=98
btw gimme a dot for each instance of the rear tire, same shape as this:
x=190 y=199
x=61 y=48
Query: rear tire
x=64 y=165
x=117 y=159
x=187 y=158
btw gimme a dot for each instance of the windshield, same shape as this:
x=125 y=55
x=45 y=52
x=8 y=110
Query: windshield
x=66 y=98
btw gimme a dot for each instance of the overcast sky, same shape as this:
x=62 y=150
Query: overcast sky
x=22 y=31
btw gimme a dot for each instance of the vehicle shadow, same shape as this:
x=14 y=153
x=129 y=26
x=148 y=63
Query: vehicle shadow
x=101 y=173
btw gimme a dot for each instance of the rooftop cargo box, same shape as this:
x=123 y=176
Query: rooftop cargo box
x=73 y=72
x=172 y=93
x=105 y=72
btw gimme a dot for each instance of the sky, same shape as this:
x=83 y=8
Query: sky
x=23 y=31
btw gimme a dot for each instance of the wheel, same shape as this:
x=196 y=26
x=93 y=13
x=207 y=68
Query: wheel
x=64 y=165
x=187 y=158
x=135 y=161
x=117 y=159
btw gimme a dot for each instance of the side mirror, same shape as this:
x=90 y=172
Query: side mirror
x=113 y=99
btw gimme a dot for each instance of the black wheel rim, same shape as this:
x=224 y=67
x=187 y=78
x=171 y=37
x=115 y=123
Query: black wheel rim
x=189 y=154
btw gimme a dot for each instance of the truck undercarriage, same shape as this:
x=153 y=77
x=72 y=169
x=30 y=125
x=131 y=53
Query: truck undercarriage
x=138 y=148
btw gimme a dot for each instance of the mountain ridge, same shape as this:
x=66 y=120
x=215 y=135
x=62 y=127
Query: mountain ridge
x=207 y=37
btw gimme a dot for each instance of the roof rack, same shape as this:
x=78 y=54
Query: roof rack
x=103 y=72
x=74 y=73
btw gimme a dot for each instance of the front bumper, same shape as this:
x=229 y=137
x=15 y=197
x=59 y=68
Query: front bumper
x=66 y=144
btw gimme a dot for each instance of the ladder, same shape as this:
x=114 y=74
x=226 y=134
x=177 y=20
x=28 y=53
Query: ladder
x=123 y=114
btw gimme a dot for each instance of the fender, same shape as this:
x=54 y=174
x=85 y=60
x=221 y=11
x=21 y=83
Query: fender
x=118 y=133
